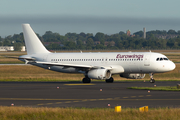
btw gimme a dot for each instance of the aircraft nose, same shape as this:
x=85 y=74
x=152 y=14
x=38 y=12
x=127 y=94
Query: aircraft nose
x=172 y=66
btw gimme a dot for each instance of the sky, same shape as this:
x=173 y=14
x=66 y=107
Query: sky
x=76 y=16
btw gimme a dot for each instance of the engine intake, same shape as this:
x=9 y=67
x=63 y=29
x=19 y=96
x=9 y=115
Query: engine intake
x=101 y=74
x=132 y=76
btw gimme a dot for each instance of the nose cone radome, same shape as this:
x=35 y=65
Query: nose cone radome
x=172 y=66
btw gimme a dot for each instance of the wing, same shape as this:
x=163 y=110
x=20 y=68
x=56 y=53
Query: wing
x=115 y=69
x=69 y=65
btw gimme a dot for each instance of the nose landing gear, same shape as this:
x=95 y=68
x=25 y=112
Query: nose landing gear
x=151 y=78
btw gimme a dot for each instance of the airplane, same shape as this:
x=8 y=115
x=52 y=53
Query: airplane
x=101 y=66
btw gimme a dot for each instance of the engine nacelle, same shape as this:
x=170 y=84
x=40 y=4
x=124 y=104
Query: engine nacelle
x=101 y=74
x=132 y=76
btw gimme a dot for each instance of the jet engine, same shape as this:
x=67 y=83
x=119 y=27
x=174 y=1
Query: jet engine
x=132 y=76
x=101 y=74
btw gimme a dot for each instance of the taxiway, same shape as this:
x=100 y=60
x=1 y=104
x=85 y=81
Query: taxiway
x=93 y=95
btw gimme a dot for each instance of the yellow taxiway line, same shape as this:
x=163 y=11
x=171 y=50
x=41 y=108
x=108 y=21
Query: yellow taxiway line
x=36 y=99
x=80 y=84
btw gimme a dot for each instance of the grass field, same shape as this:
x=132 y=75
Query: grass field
x=28 y=113
x=161 y=88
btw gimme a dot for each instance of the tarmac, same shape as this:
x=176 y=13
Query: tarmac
x=92 y=95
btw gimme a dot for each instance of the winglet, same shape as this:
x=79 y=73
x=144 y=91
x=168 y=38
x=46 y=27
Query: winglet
x=33 y=44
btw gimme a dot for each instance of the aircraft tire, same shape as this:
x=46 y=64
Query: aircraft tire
x=152 y=81
x=86 y=80
x=110 y=80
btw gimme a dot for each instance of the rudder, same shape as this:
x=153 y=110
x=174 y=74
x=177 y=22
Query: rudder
x=32 y=42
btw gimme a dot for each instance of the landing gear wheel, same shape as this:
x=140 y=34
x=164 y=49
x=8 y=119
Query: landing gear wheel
x=110 y=80
x=86 y=80
x=152 y=81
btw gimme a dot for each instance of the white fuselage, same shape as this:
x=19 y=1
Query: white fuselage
x=131 y=62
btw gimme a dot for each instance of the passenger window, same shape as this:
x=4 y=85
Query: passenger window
x=161 y=59
x=157 y=59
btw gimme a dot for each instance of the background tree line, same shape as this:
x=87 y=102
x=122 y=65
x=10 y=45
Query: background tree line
x=72 y=41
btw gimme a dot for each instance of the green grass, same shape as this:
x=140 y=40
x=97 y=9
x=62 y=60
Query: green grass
x=162 y=88
x=11 y=62
x=29 y=113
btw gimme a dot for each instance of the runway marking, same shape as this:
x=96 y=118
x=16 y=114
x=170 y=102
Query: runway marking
x=125 y=97
x=80 y=84
x=116 y=98
x=37 y=99
x=105 y=99
x=93 y=99
x=149 y=99
x=68 y=102
x=109 y=99
x=78 y=100
x=100 y=99
x=133 y=96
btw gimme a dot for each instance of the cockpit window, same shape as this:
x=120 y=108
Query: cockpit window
x=160 y=59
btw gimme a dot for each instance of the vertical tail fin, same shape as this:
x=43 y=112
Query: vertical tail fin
x=32 y=42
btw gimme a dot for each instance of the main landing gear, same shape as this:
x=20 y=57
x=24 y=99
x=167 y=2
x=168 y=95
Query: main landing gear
x=86 y=80
x=110 y=80
x=151 y=78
